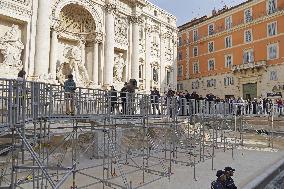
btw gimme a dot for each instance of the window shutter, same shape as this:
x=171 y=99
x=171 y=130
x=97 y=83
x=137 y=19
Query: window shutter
x=252 y=56
x=244 y=57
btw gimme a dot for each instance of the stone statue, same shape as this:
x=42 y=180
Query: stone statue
x=73 y=65
x=119 y=65
x=11 y=47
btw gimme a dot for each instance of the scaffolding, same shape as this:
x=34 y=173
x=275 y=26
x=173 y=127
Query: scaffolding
x=112 y=141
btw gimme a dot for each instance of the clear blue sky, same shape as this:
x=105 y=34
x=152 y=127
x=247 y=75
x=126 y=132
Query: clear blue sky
x=185 y=10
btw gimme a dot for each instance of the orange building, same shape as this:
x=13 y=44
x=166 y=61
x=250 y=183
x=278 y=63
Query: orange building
x=238 y=51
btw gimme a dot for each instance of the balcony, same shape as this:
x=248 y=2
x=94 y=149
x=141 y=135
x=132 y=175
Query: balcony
x=249 y=66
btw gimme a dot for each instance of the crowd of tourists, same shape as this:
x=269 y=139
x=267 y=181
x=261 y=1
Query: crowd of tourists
x=191 y=103
x=236 y=105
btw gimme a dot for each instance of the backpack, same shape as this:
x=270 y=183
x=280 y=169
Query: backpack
x=70 y=86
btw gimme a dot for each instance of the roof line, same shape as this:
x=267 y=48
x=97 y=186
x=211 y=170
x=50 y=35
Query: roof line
x=205 y=18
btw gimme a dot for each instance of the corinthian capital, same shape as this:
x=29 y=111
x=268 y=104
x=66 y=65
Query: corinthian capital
x=136 y=19
x=110 y=8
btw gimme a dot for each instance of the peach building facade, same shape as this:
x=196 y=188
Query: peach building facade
x=237 y=51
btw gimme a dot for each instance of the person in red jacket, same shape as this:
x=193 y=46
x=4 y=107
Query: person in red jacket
x=279 y=102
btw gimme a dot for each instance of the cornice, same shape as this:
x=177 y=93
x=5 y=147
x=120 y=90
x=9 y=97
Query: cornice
x=136 y=2
x=136 y=19
x=240 y=27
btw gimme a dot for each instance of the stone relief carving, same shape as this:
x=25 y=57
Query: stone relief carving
x=11 y=47
x=5 y=5
x=141 y=40
x=46 y=78
x=73 y=65
x=25 y=2
x=155 y=47
x=169 y=53
x=121 y=31
x=119 y=65
x=155 y=72
x=153 y=31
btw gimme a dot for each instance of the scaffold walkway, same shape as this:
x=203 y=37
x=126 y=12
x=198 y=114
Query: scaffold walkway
x=109 y=141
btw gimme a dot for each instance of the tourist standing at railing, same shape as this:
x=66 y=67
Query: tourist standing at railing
x=113 y=99
x=265 y=105
x=216 y=106
x=130 y=98
x=240 y=106
x=155 y=96
x=210 y=98
x=279 y=105
x=270 y=106
x=21 y=76
x=123 y=92
x=170 y=104
x=231 y=104
x=195 y=101
x=254 y=106
x=179 y=99
x=260 y=106
x=188 y=103
x=20 y=88
x=69 y=89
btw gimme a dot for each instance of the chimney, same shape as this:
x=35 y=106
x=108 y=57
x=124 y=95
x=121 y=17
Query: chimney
x=214 y=12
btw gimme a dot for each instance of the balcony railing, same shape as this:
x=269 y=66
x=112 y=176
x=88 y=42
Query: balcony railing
x=249 y=65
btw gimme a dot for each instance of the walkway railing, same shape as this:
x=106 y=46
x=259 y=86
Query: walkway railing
x=27 y=101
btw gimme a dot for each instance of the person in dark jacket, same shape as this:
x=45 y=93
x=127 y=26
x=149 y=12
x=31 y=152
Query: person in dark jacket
x=155 y=96
x=113 y=99
x=169 y=100
x=69 y=89
x=220 y=182
x=230 y=184
x=123 y=93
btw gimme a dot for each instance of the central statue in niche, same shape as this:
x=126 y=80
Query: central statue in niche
x=73 y=65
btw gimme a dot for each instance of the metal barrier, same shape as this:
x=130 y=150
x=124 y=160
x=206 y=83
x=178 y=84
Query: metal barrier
x=28 y=101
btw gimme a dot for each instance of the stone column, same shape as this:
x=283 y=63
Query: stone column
x=135 y=48
x=109 y=45
x=53 y=54
x=101 y=63
x=42 y=40
x=96 y=63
